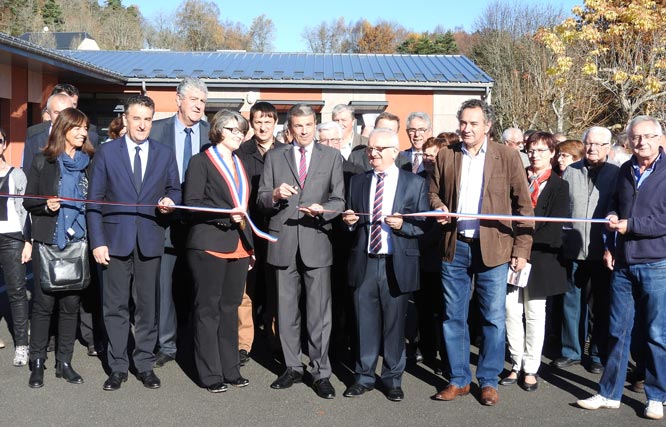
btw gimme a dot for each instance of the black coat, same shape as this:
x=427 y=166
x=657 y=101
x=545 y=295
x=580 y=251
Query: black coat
x=548 y=276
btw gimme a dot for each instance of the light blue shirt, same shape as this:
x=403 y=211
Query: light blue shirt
x=471 y=190
x=180 y=142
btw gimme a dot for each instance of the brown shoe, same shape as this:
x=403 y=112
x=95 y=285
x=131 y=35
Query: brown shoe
x=489 y=396
x=451 y=392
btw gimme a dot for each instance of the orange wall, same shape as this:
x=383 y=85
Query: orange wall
x=403 y=103
x=18 y=116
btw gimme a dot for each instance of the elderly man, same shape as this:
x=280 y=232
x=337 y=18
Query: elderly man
x=638 y=288
x=384 y=266
x=513 y=137
x=301 y=188
x=344 y=116
x=591 y=183
x=478 y=176
x=185 y=133
x=419 y=129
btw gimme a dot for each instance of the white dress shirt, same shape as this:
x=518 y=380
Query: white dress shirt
x=471 y=190
x=143 y=154
x=390 y=187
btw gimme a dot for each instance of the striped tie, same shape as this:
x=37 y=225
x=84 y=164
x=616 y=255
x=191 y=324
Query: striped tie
x=376 y=226
x=416 y=164
x=302 y=168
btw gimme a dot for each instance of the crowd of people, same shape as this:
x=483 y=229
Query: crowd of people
x=343 y=239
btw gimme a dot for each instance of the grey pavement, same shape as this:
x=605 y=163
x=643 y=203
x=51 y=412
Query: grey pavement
x=181 y=402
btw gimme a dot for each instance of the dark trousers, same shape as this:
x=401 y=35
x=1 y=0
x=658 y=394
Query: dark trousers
x=11 y=246
x=380 y=311
x=135 y=276
x=91 y=323
x=42 y=308
x=317 y=283
x=219 y=285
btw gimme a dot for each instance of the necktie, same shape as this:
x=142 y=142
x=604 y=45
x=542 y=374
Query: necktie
x=187 y=151
x=416 y=164
x=376 y=226
x=302 y=168
x=137 y=169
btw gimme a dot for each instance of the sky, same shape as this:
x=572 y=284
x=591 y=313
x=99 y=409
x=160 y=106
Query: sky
x=290 y=20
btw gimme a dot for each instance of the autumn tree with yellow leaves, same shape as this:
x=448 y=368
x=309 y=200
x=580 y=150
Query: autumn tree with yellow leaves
x=620 y=45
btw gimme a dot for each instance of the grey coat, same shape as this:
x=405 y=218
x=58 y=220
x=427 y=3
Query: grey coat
x=585 y=241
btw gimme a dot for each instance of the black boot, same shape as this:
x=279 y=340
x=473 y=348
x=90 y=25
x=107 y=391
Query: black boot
x=64 y=370
x=37 y=376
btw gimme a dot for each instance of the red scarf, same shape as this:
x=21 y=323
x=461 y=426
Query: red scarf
x=535 y=181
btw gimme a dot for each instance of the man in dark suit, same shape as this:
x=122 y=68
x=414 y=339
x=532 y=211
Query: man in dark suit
x=419 y=129
x=37 y=135
x=186 y=134
x=384 y=261
x=344 y=116
x=300 y=185
x=385 y=120
x=129 y=241
x=261 y=291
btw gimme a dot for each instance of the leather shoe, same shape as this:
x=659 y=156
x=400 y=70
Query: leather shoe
x=324 y=388
x=489 y=396
x=149 y=379
x=508 y=380
x=395 y=394
x=355 y=390
x=287 y=379
x=65 y=371
x=529 y=387
x=243 y=357
x=162 y=359
x=114 y=381
x=595 y=368
x=217 y=388
x=92 y=352
x=564 y=362
x=37 y=375
x=451 y=392
x=239 y=382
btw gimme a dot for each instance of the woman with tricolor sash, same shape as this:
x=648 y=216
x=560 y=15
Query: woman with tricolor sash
x=219 y=250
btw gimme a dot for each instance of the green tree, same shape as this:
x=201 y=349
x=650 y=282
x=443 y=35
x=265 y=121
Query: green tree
x=52 y=15
x=429 y=44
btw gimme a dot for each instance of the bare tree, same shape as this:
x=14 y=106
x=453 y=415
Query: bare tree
x=261 y=34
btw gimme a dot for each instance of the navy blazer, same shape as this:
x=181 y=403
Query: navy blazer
x=164 y=131
x=411 y=196
x=121 y=227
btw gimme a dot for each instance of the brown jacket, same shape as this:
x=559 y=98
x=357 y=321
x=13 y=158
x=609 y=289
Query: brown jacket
x=504 y=192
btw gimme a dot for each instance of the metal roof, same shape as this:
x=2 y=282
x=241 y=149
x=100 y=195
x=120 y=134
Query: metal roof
x=296 y=68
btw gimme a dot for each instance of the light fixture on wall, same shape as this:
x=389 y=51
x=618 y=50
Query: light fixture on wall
x=251 y=97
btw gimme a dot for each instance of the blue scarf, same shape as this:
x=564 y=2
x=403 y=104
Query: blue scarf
x=71 y=224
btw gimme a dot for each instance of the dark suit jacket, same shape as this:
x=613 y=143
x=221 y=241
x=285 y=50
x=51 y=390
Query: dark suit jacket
x=504 y=192
x=38 y=136
x=406 y=161
x=164 y=131
x=204 y=186
x=411 y=196
x=296 y=231
x=43 y=179
x=120 y=227
x=548 y=275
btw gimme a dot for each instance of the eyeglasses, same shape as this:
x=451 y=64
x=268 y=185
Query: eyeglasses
x=235 y=131
x=565 y=155
x=377 y=149
x=638 y=138
x=419 y=130
x=537 y=150
x=596 y=145
x=329 y=141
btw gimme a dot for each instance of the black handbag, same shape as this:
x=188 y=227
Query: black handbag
x=64 y=270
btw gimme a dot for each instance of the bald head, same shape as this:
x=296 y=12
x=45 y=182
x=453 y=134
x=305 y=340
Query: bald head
x=56 y=103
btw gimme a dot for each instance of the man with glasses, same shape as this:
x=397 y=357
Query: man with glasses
x=301 y=189
x=419 y=129
x=591 y=183
x=384 y=264
x=478 y=176
x=513 y=137
x=637 y=215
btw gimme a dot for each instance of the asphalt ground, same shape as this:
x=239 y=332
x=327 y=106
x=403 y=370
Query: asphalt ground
x=181 y=402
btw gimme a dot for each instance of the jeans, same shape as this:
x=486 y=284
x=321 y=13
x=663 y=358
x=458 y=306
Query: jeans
x=14 y=275
x=491 y=290
x=586 y=299
x=637 y=290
